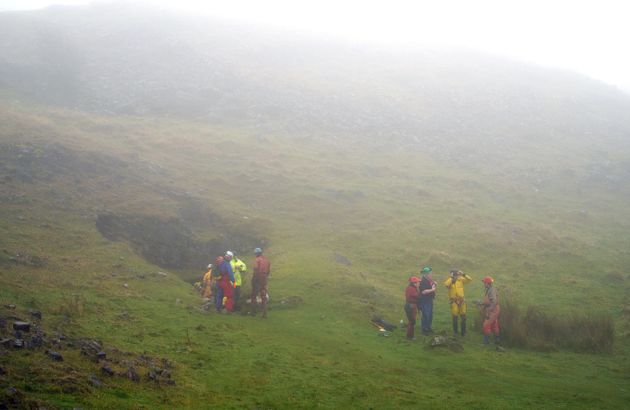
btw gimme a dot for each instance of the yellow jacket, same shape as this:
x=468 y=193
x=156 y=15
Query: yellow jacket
x=456 y=290
x=207 y=284
x=207 y=277
x=238 y=267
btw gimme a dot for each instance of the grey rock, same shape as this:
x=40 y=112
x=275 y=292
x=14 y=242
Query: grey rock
x=94 y=381
x=10 y=306
x=18 y=343
x=107 y=370
x=341 y=259
x=439 y=341
x=37 y=340
x=91 y=349
x=13 y=398
x=36 y=314
x=101 y=355
x=133 y=375
x=6 y=342
x=56 y=356
x=22 y=326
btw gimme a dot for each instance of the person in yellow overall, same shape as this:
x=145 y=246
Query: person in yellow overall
x=455 y=285
x=207 y=284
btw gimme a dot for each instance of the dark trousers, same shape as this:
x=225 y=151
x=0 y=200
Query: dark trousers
x=426 y=307
x=412 y=312
x=219 y=298
x=237 y=297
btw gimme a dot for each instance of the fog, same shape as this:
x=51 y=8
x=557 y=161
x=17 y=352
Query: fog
x=585 y=36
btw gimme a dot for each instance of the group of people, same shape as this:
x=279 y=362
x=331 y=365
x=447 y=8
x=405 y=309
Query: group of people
x=420 y=293
x=223 y=281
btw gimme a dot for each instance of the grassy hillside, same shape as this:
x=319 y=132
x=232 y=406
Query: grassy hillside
x=138 y=145
x=345 y=225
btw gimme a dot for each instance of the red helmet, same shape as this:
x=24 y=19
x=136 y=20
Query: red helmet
x=487 y=280
x=414 y=279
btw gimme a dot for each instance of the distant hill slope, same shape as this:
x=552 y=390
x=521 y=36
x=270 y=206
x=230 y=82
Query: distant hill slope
x=131 y=60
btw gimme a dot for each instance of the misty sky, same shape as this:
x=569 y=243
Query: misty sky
x=586 y=36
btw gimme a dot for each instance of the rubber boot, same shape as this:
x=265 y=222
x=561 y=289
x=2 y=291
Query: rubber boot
x=463 y=325
x=486 y=341
x=497 y=344
x=455 y=325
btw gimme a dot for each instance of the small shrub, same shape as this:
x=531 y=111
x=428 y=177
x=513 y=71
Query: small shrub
x=539 y=330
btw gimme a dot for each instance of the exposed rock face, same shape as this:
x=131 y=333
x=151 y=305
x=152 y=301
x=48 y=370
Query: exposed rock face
x=169 y=243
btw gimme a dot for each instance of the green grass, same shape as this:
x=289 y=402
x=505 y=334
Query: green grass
x=387 y=211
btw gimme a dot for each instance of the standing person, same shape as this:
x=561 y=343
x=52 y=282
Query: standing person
x=411 y=305
x=425 y=300
x=218 y=291
x=206 y=292
x=226 y=284
x=238 y=267
x=455 y=285
x=262 y=269
x=491 y=312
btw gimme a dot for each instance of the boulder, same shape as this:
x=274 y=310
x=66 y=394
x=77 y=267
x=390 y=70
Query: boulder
x=10 y=306
x=91 y=349
x=22 y=326
x=36 y=314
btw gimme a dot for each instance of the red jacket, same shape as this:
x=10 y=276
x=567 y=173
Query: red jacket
x=411 y=294
x=262 y=267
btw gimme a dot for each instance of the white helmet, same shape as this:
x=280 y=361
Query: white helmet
x=210 y=266
x=230 y=254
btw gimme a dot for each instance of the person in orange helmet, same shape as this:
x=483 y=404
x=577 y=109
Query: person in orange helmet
x=412 y=293
x=492 y=311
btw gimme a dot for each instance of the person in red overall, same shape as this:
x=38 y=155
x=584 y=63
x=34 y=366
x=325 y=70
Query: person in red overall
x=262 y=269
x=411 y=305
x=492 y=310
x=226 y=283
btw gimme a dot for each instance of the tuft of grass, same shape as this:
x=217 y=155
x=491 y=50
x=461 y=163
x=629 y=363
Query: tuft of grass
x=71 y=306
